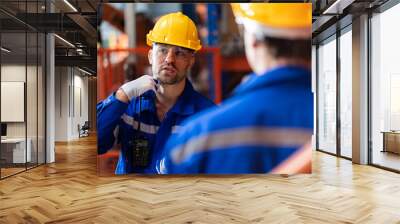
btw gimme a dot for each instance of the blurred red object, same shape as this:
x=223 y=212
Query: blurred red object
x=106 y=163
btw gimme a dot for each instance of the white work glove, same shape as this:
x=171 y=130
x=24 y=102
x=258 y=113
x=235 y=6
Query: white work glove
x=139 y=86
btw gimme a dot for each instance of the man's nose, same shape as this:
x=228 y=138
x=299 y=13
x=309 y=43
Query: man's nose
x=170 y=58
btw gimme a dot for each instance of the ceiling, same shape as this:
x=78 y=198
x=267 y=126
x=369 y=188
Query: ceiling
x=73 y=20
x=76 y=22
x=330 y=15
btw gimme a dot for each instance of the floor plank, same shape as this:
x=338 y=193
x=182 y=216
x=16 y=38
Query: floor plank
x=69 y=191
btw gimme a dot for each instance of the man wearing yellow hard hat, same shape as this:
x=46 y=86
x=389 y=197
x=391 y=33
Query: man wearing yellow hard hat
x=267 y=125
x=144 y=112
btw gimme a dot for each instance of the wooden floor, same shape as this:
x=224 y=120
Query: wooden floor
x=70 y=191
x=387 y=159
x=10 y=171
x=5 y=172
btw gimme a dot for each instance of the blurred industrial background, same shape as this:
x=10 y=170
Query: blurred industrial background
x=220 y=64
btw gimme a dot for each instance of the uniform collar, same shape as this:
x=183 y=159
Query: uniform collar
x=183 y=106
x=276 y=76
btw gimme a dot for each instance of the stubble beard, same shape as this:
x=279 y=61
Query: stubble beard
x=164 y=80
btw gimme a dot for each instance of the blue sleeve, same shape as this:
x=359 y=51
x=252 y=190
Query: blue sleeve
x=176 y=163
x=172 y=167
x=109 y=113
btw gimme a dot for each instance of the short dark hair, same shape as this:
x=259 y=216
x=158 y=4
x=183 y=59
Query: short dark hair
x=284 y=48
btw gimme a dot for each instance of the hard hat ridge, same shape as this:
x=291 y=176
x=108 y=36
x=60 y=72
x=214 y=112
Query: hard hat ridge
x=175 y=29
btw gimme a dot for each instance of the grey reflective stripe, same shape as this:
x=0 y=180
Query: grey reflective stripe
x=176 y=129
x=147 y=128
x=116 y=132
x=160 y=167
x=249 y=136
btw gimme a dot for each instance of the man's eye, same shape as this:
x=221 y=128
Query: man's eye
x=163 y=50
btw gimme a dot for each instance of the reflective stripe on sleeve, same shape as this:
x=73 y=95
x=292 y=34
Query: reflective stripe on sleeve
x=176 y=129
x=116 y=132
x=147 y=128
x=248 y=136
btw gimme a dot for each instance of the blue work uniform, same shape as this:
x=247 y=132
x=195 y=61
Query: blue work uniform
x=119 y=122
x=267 y=120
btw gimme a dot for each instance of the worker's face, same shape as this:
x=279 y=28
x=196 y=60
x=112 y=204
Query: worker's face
x=170 y=64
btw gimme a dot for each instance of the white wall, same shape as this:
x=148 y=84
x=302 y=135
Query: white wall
x=70 y=83
x=14 y=73
x=61 y=103
x=81 y=83
x=34 y=123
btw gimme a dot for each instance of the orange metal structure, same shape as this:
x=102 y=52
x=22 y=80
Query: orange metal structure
x=109 y=82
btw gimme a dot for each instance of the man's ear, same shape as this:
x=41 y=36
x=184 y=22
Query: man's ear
x=254 y=42
x=150 y=56
x=192 y=60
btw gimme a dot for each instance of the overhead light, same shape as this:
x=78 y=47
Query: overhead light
x=84 y=71
x=65 y=41
x=80 y=51
x=5 y=50
x=70 y=5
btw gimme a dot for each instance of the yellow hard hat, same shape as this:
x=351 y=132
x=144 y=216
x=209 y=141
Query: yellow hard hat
x=282 y=20
x=175 y=29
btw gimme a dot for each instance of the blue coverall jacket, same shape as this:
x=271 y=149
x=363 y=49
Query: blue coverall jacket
x=119 y=122
x=267 y=120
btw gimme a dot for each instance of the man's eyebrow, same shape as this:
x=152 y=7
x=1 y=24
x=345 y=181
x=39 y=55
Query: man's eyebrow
x=183 y=49
x=178 y=47
x=186 y=49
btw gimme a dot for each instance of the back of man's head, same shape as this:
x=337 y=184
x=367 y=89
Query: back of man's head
x=285 y=28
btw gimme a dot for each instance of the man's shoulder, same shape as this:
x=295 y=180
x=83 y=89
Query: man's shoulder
x=213 y=118
x=200 y=101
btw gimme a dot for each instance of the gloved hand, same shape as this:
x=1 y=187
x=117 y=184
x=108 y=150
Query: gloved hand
x=139 y=86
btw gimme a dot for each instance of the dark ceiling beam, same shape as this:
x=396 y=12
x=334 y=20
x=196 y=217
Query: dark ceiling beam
x=333 y=17
x=84 y=24
x=53 y=22
x=337 y=7
x=16 y=18
x=79 y=19
x=91 y=5
x=321 y=23
x=83 y=61
x=45 y=22
x=86 y=51
x=11 y=25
